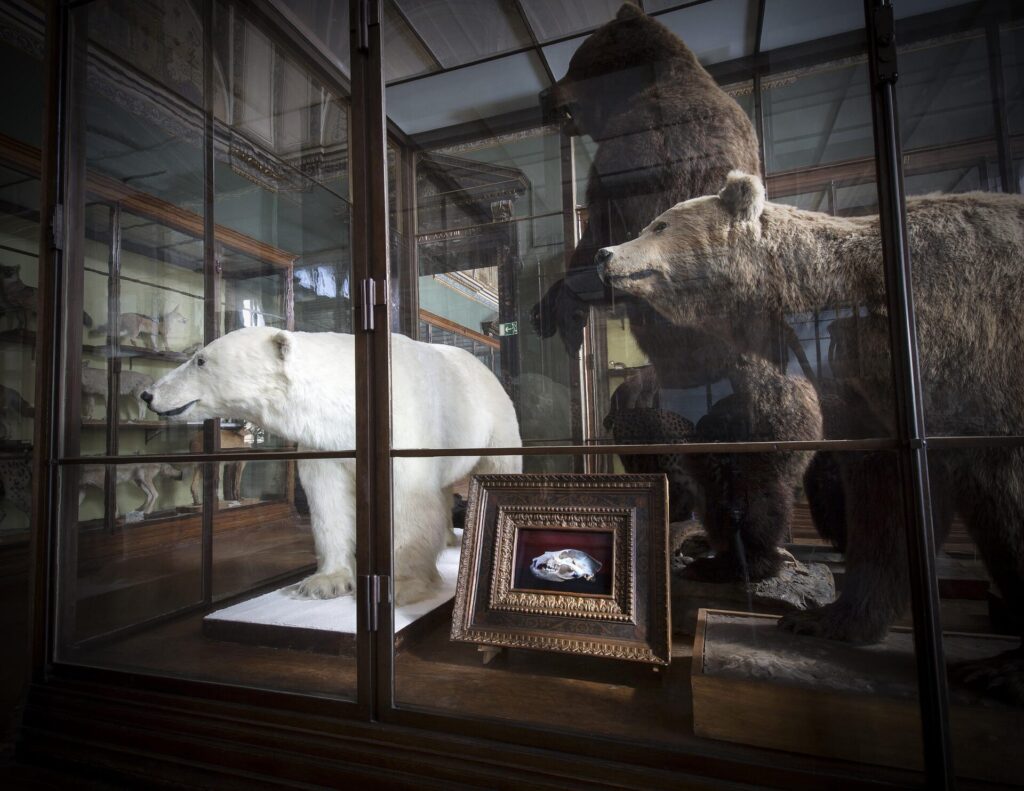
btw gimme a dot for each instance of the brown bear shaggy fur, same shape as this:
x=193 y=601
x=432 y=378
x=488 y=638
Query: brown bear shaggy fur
x=734 y=252
x=666 y=132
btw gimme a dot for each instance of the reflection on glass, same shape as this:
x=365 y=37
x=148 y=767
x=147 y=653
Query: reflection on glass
x=151 y=579
x=817 y=116
x=192 y=291
x=22 y=92
x=700 y=337
x=955 y=93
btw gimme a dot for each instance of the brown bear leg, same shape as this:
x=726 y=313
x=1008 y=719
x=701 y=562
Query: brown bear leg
x=994 y=491
x=561 y=310
x=875 y=585
x=875 y=590
x=748 y=505
x=824 y=489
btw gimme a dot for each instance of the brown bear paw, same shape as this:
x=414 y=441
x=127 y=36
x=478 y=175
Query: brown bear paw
x=833 y=622
x=999 y=677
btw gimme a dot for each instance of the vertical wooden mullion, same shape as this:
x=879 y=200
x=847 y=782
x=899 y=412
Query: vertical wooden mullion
x=113 y=349
x=48 y=601
x=914 y=479
x=368 y=147
x=407 y=218
x=1002 y=128
x=570 y=237
x=66 y=316
x=212 y=283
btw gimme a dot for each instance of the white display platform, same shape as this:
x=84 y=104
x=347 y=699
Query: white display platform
x=279 y=620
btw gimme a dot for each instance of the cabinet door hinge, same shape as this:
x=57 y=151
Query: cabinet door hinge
x=369 y=297
x=884 y=24
x=57 y=226
x=374 y=591
x=363 y=25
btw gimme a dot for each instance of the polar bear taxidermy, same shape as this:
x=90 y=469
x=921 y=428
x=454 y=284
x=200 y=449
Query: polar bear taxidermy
x=300 y=386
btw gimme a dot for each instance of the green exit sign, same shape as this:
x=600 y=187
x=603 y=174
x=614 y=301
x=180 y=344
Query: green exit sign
x=508 y=328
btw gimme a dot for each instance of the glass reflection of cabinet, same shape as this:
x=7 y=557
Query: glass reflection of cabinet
x=145 y=308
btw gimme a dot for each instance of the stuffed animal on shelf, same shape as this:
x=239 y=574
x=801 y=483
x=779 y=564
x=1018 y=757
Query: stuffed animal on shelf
x=142 y=475
x=12 y=408
x=130 y=383
x=16 y=297
x=152 y=331
x=230 y=439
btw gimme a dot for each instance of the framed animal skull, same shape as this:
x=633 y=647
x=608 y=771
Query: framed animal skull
x=570 y=563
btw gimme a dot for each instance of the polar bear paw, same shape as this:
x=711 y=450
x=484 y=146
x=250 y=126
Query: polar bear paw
x=324 y=586
x=409 y=590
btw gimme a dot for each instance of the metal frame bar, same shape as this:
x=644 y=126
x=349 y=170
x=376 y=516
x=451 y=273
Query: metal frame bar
x=400 y=13
x=190 y=458
x=913 y=458
x=113 y=365
x=211 y=299
x=368 y=146
x=45 y=432
x=534 y=40
x=998 y=87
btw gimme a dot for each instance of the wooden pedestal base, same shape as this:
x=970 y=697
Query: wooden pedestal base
x=755 y=684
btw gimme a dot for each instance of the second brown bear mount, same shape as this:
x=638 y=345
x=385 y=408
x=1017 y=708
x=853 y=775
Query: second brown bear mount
x=666 y=133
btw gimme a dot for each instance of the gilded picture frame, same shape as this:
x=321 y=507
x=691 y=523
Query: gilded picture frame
x=571 y=563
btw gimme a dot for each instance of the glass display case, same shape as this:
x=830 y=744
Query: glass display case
x=372 y=320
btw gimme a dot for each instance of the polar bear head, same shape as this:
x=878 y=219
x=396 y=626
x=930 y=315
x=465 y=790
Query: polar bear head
x=236 y=375
x=687 y=259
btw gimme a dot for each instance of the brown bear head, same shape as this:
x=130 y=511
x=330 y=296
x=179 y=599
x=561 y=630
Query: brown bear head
x=615 y=63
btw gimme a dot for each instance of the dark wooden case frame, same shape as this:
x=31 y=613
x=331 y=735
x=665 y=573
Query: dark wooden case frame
x=633 y=623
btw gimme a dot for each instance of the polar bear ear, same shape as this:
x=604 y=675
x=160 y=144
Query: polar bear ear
x=743 y=196
x=629 y=11
x=283 y=343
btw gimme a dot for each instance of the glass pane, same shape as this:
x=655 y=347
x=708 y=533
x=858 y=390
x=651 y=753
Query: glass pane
x=465 y=30
x=945 y=92
x=550 y=20
x=789 y=22
x=701 y=331
x=138 y=586
x=21 y=48
x=1011 y=45
x=213 y=325
x=819 y=116
x=143 y=307
x=966 y=250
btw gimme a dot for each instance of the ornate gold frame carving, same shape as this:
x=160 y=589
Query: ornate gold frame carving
x=633 y=623
x=504 y=596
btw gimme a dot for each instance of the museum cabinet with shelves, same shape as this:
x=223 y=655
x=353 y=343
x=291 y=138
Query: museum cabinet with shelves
x=380 y=409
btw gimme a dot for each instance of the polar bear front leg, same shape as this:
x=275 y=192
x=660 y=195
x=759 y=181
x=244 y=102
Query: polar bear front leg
x=423 y=519
x=331 y=493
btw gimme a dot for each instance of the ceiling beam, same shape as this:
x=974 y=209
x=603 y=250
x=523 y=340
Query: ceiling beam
x=393 y=4
x=534 y=41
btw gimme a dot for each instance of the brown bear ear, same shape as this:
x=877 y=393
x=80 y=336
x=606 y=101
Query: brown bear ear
x=743 y=196
x=283 y=344
x=629 y=11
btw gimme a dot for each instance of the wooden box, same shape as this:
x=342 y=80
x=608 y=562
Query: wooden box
x=755 y=684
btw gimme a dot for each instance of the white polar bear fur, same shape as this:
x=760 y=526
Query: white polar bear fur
x=300 y=386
